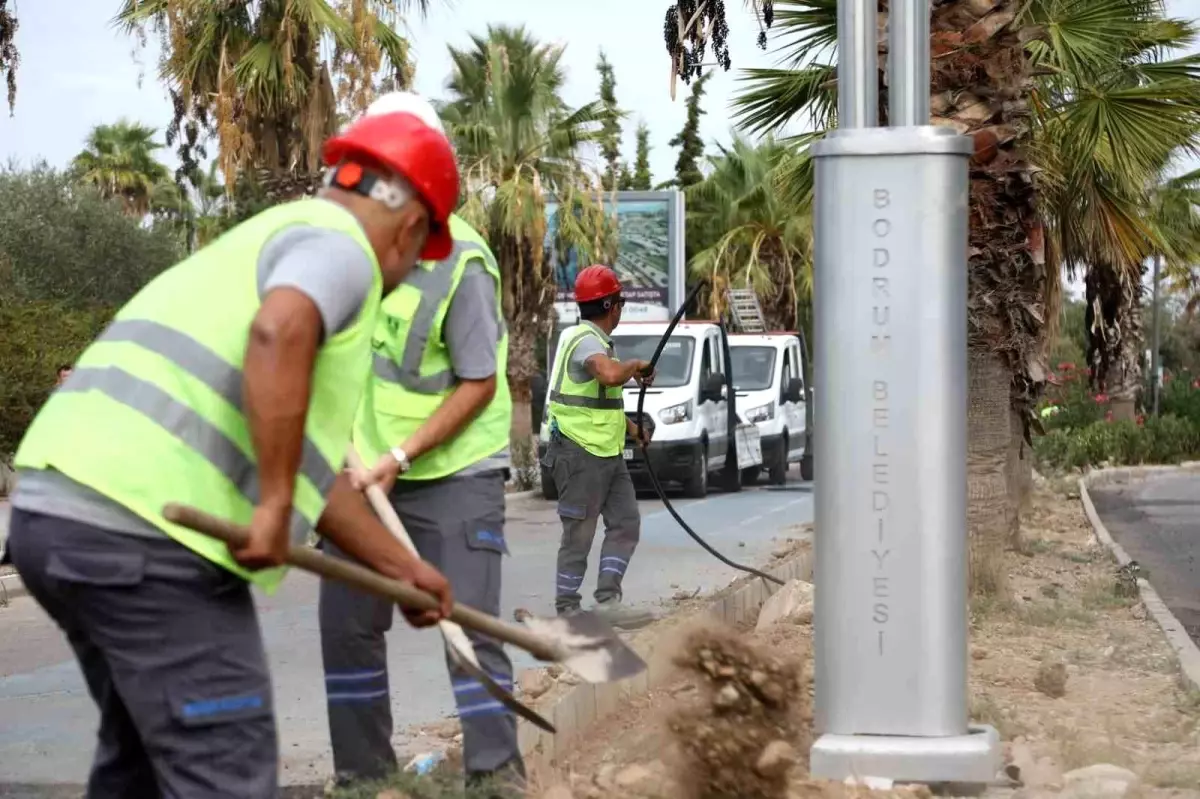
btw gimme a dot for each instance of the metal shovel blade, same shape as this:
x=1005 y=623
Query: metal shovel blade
x=588 y=644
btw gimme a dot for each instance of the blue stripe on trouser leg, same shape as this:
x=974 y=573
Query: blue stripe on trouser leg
x=354 y=654
x=458 y=526
x=622 y=530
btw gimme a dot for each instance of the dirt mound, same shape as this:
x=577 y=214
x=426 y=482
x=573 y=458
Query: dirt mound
x=746 y=734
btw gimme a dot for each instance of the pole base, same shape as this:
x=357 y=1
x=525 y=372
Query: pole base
x=973 y=758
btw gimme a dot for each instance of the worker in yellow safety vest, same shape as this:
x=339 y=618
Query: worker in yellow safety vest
x=434 y=425
x=229 y=382
x=588 y=427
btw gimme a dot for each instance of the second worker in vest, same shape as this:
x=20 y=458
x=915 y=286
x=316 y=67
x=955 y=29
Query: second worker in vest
x=588 y=427
x=435 y=423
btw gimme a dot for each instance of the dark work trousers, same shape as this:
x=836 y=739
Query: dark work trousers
x=457 y=525
x=590 y=487
x=170 y=648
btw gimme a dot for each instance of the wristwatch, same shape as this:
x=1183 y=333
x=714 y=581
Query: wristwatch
x=401 y=458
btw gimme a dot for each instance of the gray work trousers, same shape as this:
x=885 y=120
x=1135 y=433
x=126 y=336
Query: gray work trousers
x=590 y=487
x=170 y=648
x=457 y=525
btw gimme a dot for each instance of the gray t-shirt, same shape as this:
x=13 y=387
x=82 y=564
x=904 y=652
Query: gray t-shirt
x=328 y=266
x=471 y=332
x=590 y=345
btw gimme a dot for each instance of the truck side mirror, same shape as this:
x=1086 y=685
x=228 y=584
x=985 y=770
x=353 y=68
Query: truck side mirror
x=794 y=390
x=713 y=387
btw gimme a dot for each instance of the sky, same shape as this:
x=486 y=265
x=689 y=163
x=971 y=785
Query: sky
x=107 y=75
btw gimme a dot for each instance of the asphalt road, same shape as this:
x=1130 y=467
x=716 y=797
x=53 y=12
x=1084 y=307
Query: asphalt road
x=47 y=720
x=1157 y=521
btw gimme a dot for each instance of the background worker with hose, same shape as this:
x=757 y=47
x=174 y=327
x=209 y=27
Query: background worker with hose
x=588 y=427
x=229 y=383
x=435 y=423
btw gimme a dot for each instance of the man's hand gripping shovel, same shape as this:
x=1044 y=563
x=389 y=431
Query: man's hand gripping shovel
x=457 y=643
x=583 y=643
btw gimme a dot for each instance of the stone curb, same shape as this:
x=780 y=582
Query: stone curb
x=1185 y=648
x=11 y=587
x=586 y=704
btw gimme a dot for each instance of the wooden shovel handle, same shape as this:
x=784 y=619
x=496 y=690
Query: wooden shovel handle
x=310 y=560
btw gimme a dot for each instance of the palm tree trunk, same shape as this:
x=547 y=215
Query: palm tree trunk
x=1114 y=333
x=990 y=513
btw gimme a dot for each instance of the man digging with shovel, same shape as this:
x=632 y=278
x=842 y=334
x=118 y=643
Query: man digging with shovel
x=230 y=383
x=434 y=424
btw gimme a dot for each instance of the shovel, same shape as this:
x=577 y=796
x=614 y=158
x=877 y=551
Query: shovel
x=582 y=642
x=457 y=644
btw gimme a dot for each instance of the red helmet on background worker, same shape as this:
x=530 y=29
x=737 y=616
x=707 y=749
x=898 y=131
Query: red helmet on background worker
x=595 y=283
x=406 y=144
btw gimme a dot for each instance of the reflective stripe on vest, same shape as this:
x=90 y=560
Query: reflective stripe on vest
x=600 y=402
x=435 y=285
x=181 y=421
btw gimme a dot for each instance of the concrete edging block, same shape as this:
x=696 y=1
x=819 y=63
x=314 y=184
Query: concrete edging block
x=11 y=587
x=1174 y=631
x=586 y=704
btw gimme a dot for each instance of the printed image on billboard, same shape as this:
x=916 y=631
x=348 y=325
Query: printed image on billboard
x=643 y=250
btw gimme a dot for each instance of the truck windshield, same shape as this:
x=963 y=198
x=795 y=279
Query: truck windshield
x=674 y=365
x=753 y=367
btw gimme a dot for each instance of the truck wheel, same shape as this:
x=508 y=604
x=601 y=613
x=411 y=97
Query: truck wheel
x=549 y=489
x=806 y=467
x=750 y=474
x=778 y=469
x=696 y=484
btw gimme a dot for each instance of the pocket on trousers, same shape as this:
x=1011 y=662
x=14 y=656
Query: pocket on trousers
x=204 y=700
x=106 y=569
x=483 y=537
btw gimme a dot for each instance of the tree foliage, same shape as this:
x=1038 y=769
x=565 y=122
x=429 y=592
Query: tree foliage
x=642 y=179
x=268 y=79
x=68 y=259
x=119 y=162
x=691 y=146
x=693 y=28
x=10 y=59
x=610 y=125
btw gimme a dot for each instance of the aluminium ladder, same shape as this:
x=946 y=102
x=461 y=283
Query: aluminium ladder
x=746 y=313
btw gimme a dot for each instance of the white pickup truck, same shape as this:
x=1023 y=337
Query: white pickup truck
x=768 y=378
x=687 y=404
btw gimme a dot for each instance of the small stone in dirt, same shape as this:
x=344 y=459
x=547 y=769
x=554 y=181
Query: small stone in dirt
x=633 y=775
x=1049 y=591
x=558 y=792
x=741 y=543
x=1100 y=781
x=1051 y=680
x=978 y=654
x=554 y=670
x=776 y=760
x=534 y=683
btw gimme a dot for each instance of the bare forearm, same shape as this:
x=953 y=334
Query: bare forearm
x=457 y=411
x=276 y=387
x=349 y=522
x=616 y=373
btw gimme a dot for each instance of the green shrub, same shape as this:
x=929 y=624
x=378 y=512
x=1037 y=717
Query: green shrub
x=1181 y=397
x=1075 y=406
x=1164 y=439
x=38 y=337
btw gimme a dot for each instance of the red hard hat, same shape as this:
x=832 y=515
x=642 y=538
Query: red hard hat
x=596 y=282
x=422 y=155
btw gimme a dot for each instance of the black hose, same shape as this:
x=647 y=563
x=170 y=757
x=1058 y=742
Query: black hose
x=658 y=488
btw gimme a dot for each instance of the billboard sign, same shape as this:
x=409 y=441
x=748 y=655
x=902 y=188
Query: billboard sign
x=649 y=256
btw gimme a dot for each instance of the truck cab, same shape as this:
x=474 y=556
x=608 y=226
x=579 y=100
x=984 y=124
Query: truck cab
x=768 y=379
x=687 y=404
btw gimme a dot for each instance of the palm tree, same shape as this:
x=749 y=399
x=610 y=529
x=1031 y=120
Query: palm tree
x=268 y=78
x=119 y=161
x=748 y=234
x=518 y=142
x=1000 y=73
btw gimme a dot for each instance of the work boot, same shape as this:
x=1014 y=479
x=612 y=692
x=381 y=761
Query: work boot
x=622 y=616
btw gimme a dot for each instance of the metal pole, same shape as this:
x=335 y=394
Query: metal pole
x=890 y=285
x=1155 y=377
x=858 y=65
x=908 y=63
